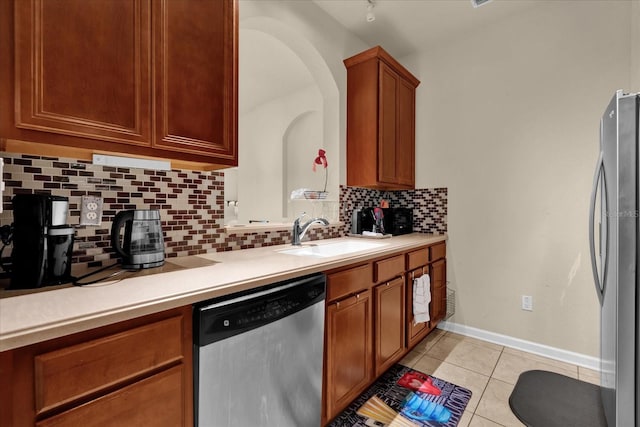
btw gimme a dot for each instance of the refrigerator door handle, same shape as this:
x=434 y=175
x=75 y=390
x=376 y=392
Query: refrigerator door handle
x=599 y=174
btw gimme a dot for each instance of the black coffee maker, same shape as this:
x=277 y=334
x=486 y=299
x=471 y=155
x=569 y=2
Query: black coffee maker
x=42 y=241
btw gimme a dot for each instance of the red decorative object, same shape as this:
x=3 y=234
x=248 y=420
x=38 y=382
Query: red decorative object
x=322 y=160
x=417 y=381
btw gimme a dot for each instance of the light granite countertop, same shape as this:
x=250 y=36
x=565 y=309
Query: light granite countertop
x=30 y=318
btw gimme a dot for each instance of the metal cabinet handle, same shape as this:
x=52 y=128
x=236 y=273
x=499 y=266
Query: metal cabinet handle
x=599 y=174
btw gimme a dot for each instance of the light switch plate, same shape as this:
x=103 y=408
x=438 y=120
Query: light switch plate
x=91 y=210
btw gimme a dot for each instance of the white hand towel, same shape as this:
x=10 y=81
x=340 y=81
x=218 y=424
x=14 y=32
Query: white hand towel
x=421 y=298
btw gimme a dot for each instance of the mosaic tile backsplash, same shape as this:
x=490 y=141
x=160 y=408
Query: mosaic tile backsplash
x=191 y=205
x=429 y=205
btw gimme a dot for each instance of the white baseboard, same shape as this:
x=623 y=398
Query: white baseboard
x=528 y=346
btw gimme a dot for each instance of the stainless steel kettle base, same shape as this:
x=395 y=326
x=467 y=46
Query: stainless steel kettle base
x=143 y=265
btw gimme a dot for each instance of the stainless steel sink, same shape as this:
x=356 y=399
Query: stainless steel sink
x=332 y=249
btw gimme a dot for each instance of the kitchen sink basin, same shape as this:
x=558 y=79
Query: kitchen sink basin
x=332 y=249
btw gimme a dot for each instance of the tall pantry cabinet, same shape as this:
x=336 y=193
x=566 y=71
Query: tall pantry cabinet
x=380 y=122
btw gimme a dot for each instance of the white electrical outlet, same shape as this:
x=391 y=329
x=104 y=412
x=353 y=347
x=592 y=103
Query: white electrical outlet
x=527 y=302
x=91 y=210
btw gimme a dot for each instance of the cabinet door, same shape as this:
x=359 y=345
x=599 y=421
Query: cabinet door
x=195 y=77
x=389 y=324
x=438 y=271
x=396 y=144
x=405 y=143
x=82 y=68
x=348 y=351
x=415 y=331
x=106 y=362
x=388 y=114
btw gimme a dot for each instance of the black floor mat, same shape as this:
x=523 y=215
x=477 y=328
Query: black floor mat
x=547 y=399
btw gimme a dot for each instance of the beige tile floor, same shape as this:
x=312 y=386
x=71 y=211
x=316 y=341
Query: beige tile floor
x=489 y=370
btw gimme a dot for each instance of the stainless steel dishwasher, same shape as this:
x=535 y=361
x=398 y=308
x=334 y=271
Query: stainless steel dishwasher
x=258 y=356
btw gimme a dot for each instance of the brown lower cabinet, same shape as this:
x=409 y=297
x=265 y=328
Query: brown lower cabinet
x=140 y=371
x=348 y=350
x=137 y=372
x=369 y=320
x=389 y=324
x=149 y=402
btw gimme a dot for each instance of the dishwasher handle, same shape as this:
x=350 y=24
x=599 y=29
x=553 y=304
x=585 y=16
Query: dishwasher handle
x=234 y=314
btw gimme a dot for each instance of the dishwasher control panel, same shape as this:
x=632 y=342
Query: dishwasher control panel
x=228 y=316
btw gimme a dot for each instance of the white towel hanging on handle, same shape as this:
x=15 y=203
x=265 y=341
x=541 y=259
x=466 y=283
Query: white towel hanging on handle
x=421 y=298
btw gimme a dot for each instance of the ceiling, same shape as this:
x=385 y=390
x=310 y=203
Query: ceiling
x=401 y=27
x=406 y=26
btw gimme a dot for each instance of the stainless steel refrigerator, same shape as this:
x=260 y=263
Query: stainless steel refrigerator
x=613 y=236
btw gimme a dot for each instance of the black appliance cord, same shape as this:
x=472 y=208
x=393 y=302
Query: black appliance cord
x=76 y=280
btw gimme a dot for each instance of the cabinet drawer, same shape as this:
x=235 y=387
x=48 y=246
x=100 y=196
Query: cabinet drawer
x=347 y=282
x=438 y=251
x=417 y=258
x=151 y=401
x=70 y=373
x=387 y=269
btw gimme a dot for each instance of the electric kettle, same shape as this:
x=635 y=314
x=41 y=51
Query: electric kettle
x=142 y=245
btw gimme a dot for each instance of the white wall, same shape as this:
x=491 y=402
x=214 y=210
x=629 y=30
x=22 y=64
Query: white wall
x=260 y=155
x=314 y=35
x=302 y=141
x=508 y=121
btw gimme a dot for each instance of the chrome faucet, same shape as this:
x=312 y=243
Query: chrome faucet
x=299 y=231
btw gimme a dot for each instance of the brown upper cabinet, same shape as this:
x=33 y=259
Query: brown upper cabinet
x=380 y=121
x=141 y=77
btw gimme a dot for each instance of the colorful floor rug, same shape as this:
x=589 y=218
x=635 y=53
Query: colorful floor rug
x=403 y=397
